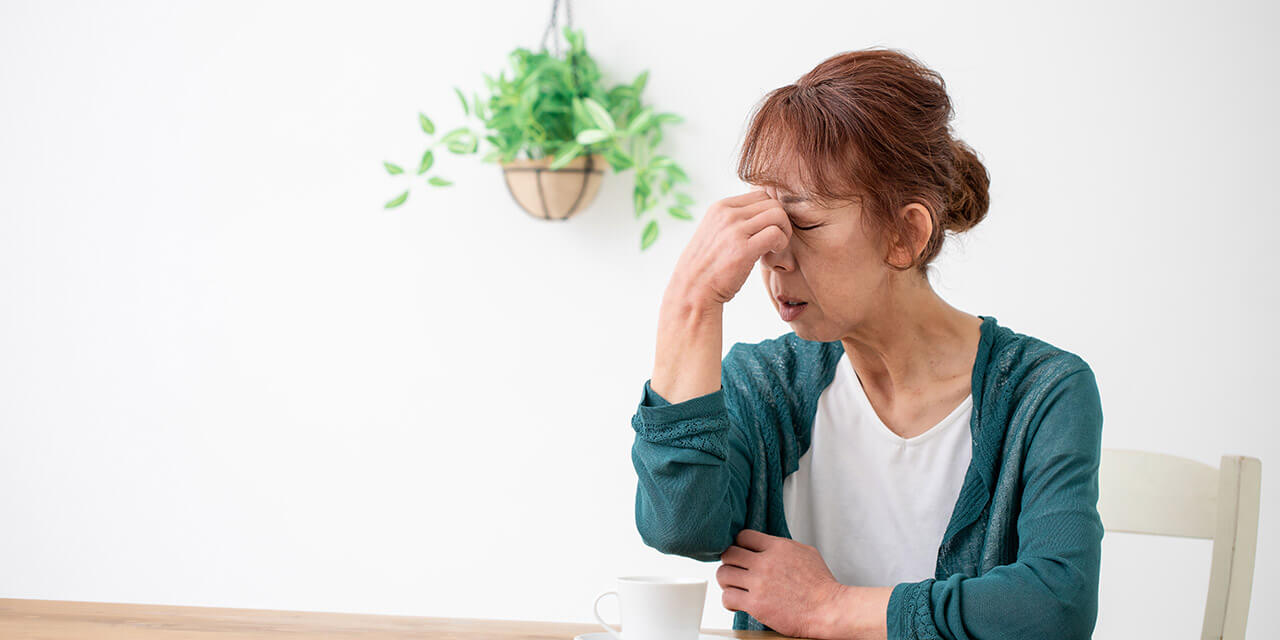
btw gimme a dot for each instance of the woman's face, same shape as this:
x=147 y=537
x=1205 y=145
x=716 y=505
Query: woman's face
x=831 y=262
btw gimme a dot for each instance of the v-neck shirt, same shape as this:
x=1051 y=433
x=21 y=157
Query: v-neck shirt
x=873 y=503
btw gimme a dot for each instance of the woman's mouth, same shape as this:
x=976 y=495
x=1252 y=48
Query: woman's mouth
x=789 y=310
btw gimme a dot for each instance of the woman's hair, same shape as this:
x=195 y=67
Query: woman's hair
x=870 y=126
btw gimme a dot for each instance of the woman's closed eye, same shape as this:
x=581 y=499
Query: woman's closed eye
x=792 y=218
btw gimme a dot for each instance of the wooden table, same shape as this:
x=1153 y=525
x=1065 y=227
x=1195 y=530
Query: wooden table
x=59 y=619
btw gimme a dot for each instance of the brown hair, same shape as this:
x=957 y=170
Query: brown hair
x=871 y=126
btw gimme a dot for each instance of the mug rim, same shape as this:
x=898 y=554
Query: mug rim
x=660 y=580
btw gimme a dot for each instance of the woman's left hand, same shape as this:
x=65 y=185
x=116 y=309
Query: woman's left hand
x=780 y=582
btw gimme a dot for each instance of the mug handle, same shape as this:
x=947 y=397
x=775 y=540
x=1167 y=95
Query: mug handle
x=595 y=608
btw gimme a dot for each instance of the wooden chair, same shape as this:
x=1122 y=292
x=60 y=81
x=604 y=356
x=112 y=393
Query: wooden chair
x=1153 y=493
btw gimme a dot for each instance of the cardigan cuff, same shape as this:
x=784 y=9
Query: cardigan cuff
x=909 y=615
x=697 y=423
x=656 y=411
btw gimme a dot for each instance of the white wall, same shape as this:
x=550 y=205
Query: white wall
x=229 y=377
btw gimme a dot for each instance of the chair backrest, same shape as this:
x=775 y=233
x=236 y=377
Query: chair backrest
x=1160 y=494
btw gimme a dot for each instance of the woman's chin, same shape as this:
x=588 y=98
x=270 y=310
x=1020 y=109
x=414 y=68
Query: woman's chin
x=805 y=332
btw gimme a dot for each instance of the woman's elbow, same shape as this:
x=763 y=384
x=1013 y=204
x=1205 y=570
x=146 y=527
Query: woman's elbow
x=684 y=539
x=1071 y=614
x=686 y=547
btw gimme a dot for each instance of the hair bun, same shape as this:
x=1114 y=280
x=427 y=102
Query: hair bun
x=969 y=197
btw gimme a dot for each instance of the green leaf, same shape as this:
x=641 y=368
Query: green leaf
x=455 y=133
x=392 y=168
x=530 y=95
x=679 y=213
x=580 y=110
x=492 y=155
x=659 y=162
x=621 y=93
x=570 y=152
x=439 y=182
x=574 y=38
x=466 y=111
x=396 y=201
x=427 y=159
x=677 y=174
x=427 y=125
x=638 y=122
x=667 y=117
x=591 y=136
x=650 y=234
x=683 y=199
x=465 y=143
x=640 y=81
x=479 y=106
x=618 y=159
x=599 y=115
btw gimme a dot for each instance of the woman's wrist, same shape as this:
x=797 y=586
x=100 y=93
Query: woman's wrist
x=687 y=299
x=856 y=613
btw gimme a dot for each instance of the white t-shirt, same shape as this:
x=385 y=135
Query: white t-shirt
x=875 y=505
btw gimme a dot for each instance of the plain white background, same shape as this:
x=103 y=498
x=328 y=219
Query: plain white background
x=229 y=377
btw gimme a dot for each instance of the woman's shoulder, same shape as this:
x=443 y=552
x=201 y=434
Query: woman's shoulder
x=1019 y=364
x=803 y=365
x=776 y=383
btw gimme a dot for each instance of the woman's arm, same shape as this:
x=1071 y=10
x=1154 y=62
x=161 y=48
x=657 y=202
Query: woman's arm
x=691 y=495
x=693 y=464
x=1051 y=590
x=690 y=336
x=693 y=468
x=692 y=457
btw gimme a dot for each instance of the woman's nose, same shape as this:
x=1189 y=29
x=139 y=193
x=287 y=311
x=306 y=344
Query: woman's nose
x=780 y=259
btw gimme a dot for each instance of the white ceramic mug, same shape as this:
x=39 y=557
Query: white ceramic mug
x=657 y=608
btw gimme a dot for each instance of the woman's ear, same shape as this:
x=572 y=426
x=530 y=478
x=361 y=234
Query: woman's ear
x=918 y=222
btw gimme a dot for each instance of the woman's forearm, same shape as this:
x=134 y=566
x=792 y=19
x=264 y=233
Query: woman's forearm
x=690 y=338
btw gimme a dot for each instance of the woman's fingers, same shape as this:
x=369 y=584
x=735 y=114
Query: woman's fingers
x=741 y=200
x=730 y=576
x=770 y=238
x=737 y=556
x=772 y=214
x=726 y=245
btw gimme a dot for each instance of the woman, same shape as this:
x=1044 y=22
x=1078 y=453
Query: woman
x=893 y=467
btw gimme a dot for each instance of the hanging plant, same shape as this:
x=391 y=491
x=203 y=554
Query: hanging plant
x=557 y=112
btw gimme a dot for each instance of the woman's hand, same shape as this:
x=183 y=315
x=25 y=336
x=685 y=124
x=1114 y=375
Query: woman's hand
x=732 y=236
x=780 y=582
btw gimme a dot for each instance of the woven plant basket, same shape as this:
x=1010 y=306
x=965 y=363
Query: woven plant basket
x=554 y=194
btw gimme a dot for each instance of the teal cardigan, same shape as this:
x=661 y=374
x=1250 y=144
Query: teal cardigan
x=1021 y=554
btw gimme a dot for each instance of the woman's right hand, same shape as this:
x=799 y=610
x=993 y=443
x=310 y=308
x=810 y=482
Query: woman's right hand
x=734 y=234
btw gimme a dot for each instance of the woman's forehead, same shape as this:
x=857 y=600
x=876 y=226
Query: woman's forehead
x=791 y=192
x=788 y=184
x=782 y=171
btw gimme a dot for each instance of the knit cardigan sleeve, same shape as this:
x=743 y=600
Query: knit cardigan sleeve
x=693 y=460
x=1051 y=590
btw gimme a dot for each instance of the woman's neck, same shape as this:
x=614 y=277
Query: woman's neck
x=915 y=342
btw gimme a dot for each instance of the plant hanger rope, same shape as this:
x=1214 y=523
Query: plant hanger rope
x=551 y=26
x=557 y=33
